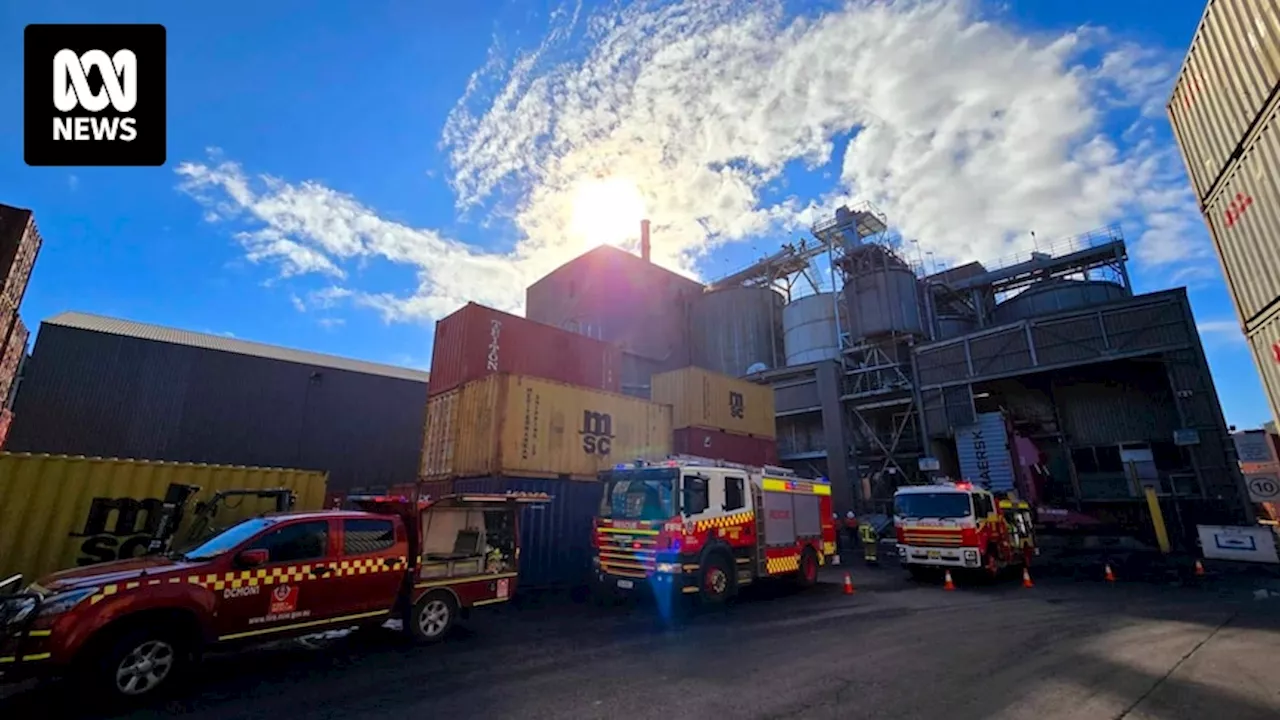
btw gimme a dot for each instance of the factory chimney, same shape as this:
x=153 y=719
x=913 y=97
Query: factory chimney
x=644 y=240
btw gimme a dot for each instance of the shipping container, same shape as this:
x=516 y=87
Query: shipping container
x=701 y=398
x=1244 y=222
x=6 y=420
x=721 y=445
x=555 y=538
x=1228 y=78
x=19 y=244
x=15 y=348
x=611 y=295
x=106 y=387
x=984 y=453
x=478 y=341
x=1265 y=341
x=528 y=427
x=57 y=512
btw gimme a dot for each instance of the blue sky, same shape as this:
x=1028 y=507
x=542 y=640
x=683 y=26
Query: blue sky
x=341 y=174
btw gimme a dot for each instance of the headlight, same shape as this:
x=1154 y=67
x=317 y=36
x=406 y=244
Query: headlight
x=970 y=554
x=14 y=611
x=669 y=568
x=62 y=602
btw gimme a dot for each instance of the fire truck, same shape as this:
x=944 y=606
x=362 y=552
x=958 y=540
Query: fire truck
x=959 y=526
x=127 y=628
x=694 y=526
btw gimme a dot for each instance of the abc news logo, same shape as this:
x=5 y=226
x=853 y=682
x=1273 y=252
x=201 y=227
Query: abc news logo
x=94 y=95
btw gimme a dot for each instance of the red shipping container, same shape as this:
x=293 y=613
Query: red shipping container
x=720 y=445
x=19 y=244
x=478 y=341
x=11 y=358
x=6 y=420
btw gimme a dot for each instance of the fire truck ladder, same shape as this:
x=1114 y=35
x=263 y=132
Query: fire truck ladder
x=762 y=563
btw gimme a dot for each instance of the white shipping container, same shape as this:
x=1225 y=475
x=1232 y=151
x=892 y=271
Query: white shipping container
x=1265 y=341
x=1244 y=220
x=983 y=451
x=1228 y=77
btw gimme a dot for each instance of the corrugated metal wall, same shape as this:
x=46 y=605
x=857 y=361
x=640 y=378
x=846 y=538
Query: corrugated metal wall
x=555 y=539
x=104 y=395
x=46 y=522
x=1103 y=413
x=701 y=398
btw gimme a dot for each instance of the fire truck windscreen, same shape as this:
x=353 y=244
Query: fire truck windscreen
x=641 y=494
x=932 y=505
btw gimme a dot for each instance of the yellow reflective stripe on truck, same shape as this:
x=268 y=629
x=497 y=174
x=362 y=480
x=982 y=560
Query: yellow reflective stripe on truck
x=217 y=582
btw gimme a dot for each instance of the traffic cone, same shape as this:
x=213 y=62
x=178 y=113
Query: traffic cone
x=947 y=584
x=1026 y=578
x=1109 y=576
x=1199 y=569
x=848 y=584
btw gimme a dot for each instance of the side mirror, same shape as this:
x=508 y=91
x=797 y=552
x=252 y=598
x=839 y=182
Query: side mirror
x=252 y=558
x=11 y=585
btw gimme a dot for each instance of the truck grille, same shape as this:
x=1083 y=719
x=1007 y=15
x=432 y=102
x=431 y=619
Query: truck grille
x=944 y=538
x=626 y=555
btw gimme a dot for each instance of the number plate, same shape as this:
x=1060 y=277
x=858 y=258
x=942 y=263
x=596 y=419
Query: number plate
x=626 y=584
x=934 y=555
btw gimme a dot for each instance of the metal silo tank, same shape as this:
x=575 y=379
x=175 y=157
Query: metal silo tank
x=736 y=328
x=884 y=301
x=1057 y=296
x=809 y=329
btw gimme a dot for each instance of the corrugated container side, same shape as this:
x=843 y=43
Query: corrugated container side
x=45 y=503
x=984 y=453
x=555 y=538
x=6 y=420
x=701 y=398
x=19 y=268
x=1265 y=341
x=529 y=427
x=1244 y=221
x=1230 y=73
x=478 y=341
x=721 y=445
x=15 y=348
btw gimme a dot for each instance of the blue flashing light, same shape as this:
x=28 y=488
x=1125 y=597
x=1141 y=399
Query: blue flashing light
x=675 y=544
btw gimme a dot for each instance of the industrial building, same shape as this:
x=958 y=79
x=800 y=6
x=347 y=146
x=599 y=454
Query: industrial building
x=1224 y=111
x=1043 y=373
x=106 y=387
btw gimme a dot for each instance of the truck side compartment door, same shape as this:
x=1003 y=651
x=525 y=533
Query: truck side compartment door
x=293 y=592
x=373 y=563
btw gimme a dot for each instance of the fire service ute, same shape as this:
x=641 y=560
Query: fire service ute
x=130 y=627
x=701 y=527
x=960 y=526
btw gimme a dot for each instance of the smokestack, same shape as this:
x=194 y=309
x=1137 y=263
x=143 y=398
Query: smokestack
x=644 y=240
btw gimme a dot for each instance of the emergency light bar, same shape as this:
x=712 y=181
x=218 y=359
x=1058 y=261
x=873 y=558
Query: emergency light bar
x=682 y=460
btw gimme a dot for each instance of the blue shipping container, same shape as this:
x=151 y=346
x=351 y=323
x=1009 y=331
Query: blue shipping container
x=555 y=538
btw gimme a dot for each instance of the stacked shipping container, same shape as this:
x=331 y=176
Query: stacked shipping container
x=19 y=244
x=1224 y=112
x=718 y=416
x=516 y=405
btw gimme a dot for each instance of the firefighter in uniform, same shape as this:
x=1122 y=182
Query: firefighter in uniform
x=870 y=543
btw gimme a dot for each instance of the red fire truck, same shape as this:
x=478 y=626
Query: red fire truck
x=959 y=526
x=693 y=526
x=130 y=627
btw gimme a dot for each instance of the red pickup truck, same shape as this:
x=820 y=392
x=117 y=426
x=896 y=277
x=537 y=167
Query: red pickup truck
x=131 y=627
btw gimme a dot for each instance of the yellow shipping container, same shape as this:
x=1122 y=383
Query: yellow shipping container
x=705 y=399
x=59 y=511
x=528 y=427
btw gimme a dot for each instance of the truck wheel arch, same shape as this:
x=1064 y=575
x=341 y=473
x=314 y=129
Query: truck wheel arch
x=186 y=621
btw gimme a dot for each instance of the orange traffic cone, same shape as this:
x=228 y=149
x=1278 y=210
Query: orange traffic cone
x=1026 y=578
x=1199 y=569
x=1109 y=576
x=947 y=584
x=848 y=584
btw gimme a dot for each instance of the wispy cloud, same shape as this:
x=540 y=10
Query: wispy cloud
x=1220 y=332
x=968 y=132
x=331 y=323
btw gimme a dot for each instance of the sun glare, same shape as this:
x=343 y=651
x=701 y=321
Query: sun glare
x=606 y=211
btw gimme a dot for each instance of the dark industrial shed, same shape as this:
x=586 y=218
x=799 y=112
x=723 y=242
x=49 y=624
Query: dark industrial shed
x=107 y=387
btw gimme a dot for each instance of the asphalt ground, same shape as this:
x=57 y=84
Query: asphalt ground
x=1073 y=646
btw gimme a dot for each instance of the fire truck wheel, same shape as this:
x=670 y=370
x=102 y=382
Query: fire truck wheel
x=432 y=617
x=139 y=664
x=716 y=581
x=808 y=575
